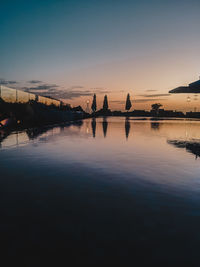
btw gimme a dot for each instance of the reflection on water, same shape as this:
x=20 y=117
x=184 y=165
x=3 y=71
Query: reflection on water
x=127 y=127
x=110 y=190
x=93 y=125
x=155 y=125
x=104 y=126
x=186 y=132
x=190 y=146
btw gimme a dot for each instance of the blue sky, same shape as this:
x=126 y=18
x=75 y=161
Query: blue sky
x=108 y=45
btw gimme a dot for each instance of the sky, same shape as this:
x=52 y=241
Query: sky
x=73 y=49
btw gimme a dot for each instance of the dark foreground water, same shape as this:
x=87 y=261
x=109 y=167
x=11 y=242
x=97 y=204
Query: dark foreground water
x=105 y=192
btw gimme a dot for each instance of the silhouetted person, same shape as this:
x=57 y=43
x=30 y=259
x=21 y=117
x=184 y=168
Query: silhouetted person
x=93 y=124
x=127 y=127
x=105 y=126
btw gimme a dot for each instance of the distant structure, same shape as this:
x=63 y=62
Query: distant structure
x=192 y=88
x=87 y=107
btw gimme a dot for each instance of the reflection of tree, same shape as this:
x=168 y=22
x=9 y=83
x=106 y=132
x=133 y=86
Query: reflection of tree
x=105 y=126
x=35 y=132
x=93 y=124
x=155 y=107
x=127 y=127
x=78 y=123
x=155 y=125
x=191 y=147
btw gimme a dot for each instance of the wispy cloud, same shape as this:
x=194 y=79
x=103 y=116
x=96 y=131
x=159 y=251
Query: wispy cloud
x=154 y=95
x=42 y=87
x=143 y=100
x=120 y=102
x=140 y=100
x=34 y=81
x=71 y=92
x=56 y=91
x=73 y=87
x=6 y=82
x=151 y=90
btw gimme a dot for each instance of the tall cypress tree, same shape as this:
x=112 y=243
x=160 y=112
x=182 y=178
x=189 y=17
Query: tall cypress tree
x=128 y=102
x=105 y=103
x=94 y=103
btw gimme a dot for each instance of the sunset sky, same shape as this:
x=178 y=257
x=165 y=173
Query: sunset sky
x=73 y=49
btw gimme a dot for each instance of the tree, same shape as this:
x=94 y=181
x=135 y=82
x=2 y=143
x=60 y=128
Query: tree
x=94 y=104
x=105 y=103
x=128 y=102
x=155 y=107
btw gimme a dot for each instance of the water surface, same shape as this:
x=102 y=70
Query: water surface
x=102 y=191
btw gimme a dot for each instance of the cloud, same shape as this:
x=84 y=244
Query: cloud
x=143 y=100
x=56 y=91
x=120 y=102
x=74 y=92
x=43 y=87
x=71 y=94
x=154 y=95
x=34 y=81
x=6 y=82
x=151 y=90
x=75 y=87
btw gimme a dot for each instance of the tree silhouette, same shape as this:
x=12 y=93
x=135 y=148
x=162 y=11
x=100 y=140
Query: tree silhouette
x=128 y=102
x=156 y=107
x=105 y=103
x=94 y=104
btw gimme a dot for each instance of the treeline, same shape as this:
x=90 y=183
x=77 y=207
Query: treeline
x=105 y=107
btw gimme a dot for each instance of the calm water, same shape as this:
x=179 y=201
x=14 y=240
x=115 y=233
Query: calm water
x=106 y=192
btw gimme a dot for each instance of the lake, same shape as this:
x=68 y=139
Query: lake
x=102 y=192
